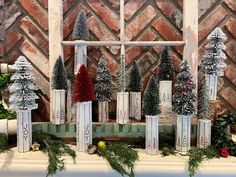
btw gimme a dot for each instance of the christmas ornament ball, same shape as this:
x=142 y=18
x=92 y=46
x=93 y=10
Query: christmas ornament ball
x=101 y=144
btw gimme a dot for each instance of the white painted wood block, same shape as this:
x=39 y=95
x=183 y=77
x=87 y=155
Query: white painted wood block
x=80 y=57
x=152 y=137
x=24 y=130
x=4 y=126
x=4 y=67
x=103 y=111
x=204 y=133
x=211 y=82
x=58 y=107
x=165 y=94
x=84 y=125
x=69 y=102
x=183 y=130
x=135 y=105
x=122 y=110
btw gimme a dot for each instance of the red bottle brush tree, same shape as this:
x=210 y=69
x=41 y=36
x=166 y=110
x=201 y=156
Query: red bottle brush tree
x=83 y=86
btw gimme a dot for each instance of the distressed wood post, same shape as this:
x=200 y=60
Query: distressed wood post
x=84 y=125
x=152 y=137
x=24 y=130
x=55 y=33
x=211 y=82
x=204 y=133
x=165 y=94
x=58 y=107
x=190 y=36
x=122 y=112
x=103 y=111
x=183 y=133
x=135 y=105
x=80 y=57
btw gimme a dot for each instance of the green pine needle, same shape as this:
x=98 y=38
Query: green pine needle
x=3 y=143
x=55 y=150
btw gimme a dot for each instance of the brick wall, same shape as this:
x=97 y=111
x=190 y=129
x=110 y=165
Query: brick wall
x=26 y=32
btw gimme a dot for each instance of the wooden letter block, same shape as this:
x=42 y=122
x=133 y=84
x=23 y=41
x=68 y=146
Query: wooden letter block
x=135 y=105
x=122 y=111
x=203 y=133
x=103 y=111
x=58 y=106
x=165 y=94
x=211 y=82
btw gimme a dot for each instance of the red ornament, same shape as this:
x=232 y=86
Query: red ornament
x=83 y=86
x=224 y=152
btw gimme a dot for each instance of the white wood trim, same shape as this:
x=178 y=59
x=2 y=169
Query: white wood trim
x=122 y=108
x=203 y=133
x=126 y=43
x=55 y=33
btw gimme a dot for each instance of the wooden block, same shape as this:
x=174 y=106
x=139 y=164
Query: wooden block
x=135 y=105
x=58 y=107
x=103 y=111
x=211 y=82
x=152 y=138
x=183 y=133
x=165 y=94
x=204 y=133
x=24 y=130
x=84 y=125
x=4 y=67
x=4 y=126
x=80 y=57
x=122 y=114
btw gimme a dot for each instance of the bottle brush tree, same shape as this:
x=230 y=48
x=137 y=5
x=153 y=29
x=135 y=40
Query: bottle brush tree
x=135 y=83
x=83 y=86
x=213 y=62
x=204 y=111
x=183 y=101
x=151 y=98
x=59 y=77
x=80 y=30
x=103 y=86
x=165 y=66
x=122 y=75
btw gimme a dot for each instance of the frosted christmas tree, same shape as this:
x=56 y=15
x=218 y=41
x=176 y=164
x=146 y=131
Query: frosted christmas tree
x=122 y=75
x=204 y=111
x=22 y=101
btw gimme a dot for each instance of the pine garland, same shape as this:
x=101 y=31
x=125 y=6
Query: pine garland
x=3 y=143
x=135 y=83
x=80 y=30
x=55 y=150
x=5 y=79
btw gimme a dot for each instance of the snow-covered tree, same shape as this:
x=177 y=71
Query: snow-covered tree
x=122 y=75
x=103 y=86
x=80 y=30
x=213 y=62
x=184 y=98
x=22 y=90
x=135 y=83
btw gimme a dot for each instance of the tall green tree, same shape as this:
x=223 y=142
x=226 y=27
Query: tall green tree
x=135 y=83
x=184 y=98
x=151 y=98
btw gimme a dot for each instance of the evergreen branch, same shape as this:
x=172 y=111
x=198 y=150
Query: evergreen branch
x=3 y=143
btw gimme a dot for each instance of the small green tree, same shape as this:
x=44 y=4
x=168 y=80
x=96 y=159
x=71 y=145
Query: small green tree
x=103 y=86
x=151 y=98
x=165 y=66
x=183 y=101
x=80 y=30
x=204 y=111
x=59 y=77
x=122 y=75
x=135 y=83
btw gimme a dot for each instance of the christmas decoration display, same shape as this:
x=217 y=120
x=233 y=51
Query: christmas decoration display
x=204 y=115
x=122 y=115
x=22 y=100
x=103 y=88
x=80 y=32
x=135 y=88
x=183 y=106
x=83 y=97
x=213 y=62
x=59 y=86
x=151 y=111
x=165 y=77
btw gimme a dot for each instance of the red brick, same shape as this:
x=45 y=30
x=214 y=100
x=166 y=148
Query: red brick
x=67 y=4
x=131 y=7
x=147 y=61
x=68 y=52
x=34 y=9
x=12 y=37
x=2 y=14
x=34 y=33
x=229 y=94
x=109 y=17
x=204 y=6
x=12 y=12
x=180 y=2
x=230 y=73
x=201 y=50
x=1 y=3
x=1 y=49
x=230 y=50
x=111 y=63
x=133 y=52
x=231 y=26
x=142 y=20
x=114 y=4
x=210 y=22
x=12 y=56
x=231 y=4
x=2 y=32
x=170 y=10
x=44 y=3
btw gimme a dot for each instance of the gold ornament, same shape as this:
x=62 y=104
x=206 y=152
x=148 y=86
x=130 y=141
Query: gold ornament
x=102 y=144
x=35 y=147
